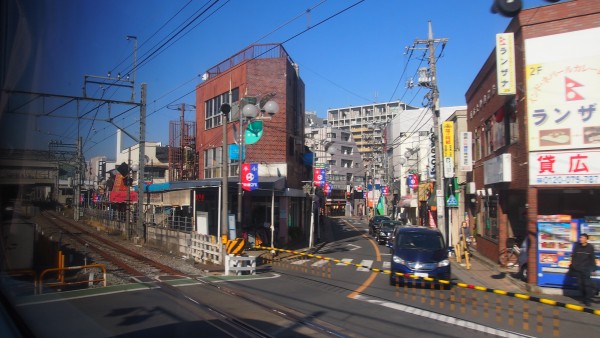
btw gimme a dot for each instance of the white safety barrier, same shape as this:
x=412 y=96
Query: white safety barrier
x=240 y=264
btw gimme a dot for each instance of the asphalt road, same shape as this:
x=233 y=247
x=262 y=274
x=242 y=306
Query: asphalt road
x=348 y=300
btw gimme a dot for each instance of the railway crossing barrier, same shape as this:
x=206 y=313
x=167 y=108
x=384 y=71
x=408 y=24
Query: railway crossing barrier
x=240 y=264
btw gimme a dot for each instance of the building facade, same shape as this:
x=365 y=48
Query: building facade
x=535 y=149
x=255 y=74
x=336 y=151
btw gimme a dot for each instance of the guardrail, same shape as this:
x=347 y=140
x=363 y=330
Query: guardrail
x=408 y=276
x=60 y=276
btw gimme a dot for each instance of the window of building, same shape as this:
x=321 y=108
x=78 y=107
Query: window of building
x=212 y=108
x=347 y=163
x=345 y=137
x=213 y=162
x=331 y=135
x=346 y=150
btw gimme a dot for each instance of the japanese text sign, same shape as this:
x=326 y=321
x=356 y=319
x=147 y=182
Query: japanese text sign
x=564 y=168
x=505 y=64
x=249 y=176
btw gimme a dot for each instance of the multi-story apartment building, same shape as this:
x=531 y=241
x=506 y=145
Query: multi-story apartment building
x=367 y=127
x=336 y=151
x=257 y=73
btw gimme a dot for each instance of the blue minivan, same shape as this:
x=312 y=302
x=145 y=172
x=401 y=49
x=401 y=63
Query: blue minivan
x=419 y=251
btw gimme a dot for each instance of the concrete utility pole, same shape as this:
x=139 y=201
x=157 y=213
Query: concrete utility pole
x=434 y=104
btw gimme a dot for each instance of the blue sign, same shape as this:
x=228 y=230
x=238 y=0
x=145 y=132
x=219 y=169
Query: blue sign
x=234 y=152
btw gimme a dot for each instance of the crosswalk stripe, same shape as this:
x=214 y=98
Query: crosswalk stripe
x=345 y=261
x=386 y=265
x=365 y=265
x=319 y=263
x=301 y=261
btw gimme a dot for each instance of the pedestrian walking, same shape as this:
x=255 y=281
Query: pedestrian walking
x=583 y=265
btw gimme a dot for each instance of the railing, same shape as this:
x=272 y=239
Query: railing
x=61 y=279
x=206 y=249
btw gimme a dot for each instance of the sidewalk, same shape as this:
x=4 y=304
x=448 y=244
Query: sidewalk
x=484 y=272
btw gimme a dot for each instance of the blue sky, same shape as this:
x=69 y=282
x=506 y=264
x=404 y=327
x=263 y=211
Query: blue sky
x=357 y=56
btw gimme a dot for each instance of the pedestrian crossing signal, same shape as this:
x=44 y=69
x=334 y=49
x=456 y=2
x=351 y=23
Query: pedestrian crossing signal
x=452 y=201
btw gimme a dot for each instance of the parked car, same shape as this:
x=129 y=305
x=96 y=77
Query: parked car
x=385 y=231
x=419 y=251
x=374 y=223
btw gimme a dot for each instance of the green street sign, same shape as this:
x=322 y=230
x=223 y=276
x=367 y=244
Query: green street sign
x=254 y=132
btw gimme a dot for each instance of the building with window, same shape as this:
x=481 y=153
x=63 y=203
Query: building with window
x=367 y=125
x=256 y=74
x=336 y=151
x=410 y=163
x=535 y=127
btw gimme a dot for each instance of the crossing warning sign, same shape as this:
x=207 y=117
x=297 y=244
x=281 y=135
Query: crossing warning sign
x=452 y=201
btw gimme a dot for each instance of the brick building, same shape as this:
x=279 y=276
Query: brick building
x=259 y=72
x=537 y=151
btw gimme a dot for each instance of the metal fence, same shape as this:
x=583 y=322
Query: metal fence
x=117 y=220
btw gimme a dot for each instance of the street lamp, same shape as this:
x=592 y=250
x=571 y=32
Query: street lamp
x=249 y=113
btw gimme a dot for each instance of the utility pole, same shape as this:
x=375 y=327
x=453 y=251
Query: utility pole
x=433 y=96
x=142 y=162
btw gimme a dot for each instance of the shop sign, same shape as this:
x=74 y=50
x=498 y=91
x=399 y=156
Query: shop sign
x=505 y=64
x=466 y=157
x=562 y=92
x=497 y=169
x=564 y=167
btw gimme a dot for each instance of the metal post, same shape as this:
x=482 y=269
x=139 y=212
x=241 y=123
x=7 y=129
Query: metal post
x=273 y=220
x=241 y=162
x=312 y=205
x=225 y=109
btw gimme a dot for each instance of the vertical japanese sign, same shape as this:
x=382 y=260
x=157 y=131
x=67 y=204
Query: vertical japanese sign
x=327 y=188
x=249 y=176
x=384 y=190
x=319 y=177
x=466 y=155
x=505 y=64
x=562 y=91
x=564 y=168
x=448 y=148
x=412 y=181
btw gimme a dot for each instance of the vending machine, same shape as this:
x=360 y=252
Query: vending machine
x=556 y=235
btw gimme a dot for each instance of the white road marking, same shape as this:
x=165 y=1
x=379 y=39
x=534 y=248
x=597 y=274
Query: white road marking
x=301 y=261
x=367 y=265
x=347 y=260
x=319 y=263
x=355 y=247
x=386 y=265
x=440 y=317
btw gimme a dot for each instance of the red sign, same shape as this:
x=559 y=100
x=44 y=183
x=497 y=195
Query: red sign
x=120 y=190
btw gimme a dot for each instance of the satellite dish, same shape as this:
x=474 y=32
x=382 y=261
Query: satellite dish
x=205 y=76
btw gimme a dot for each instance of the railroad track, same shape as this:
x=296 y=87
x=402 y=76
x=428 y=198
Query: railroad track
x=130 y=265
x=123 y=263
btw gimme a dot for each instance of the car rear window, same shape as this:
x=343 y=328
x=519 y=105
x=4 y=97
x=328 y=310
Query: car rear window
x=419 y=240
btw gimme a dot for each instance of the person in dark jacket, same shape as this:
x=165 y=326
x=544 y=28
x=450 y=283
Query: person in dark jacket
x=583 y=264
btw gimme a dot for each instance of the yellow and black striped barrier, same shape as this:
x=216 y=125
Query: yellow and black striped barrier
x=236 y=246
x=522 y=296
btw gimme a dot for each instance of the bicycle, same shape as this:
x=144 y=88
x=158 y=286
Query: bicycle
x=509 y=257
